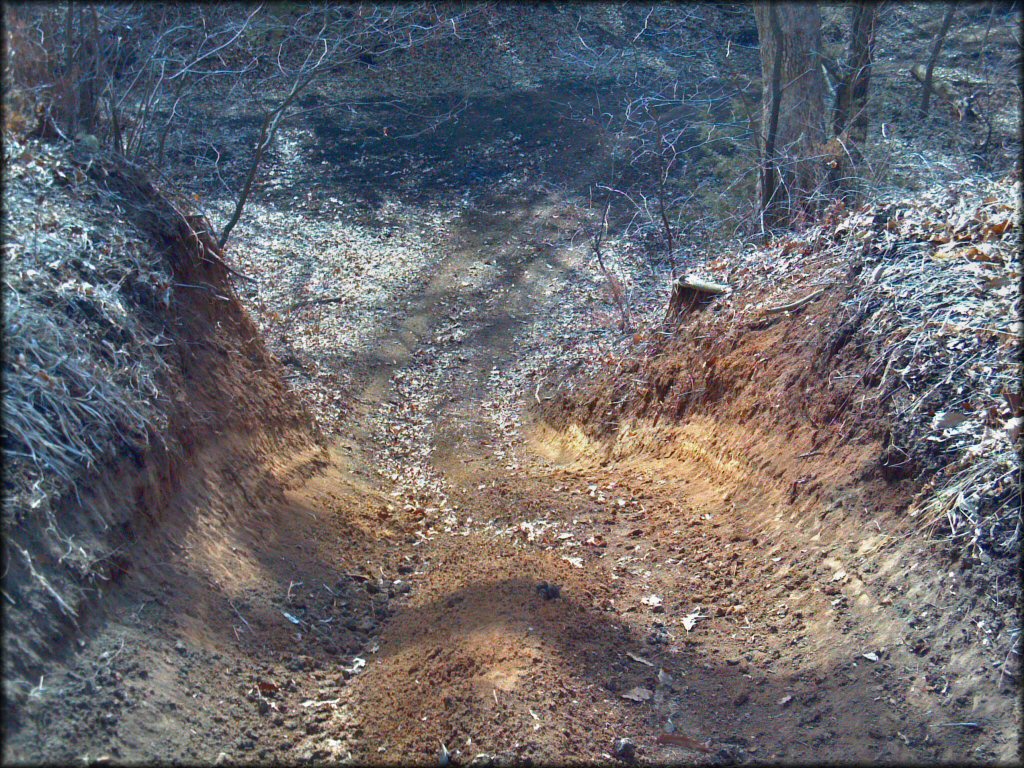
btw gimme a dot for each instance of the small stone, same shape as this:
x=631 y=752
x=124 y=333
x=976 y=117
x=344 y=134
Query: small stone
x=785 y=701
x=624 y=749
x=222 y=758
x=549 y=591
x=180 y=647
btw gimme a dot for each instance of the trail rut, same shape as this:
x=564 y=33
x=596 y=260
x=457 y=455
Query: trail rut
x=389 y=604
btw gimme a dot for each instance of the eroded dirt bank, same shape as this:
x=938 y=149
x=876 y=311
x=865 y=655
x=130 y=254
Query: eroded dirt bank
x=388 y=604
x=484 y=565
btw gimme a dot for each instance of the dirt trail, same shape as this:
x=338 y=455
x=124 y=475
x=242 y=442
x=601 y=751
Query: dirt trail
x=685 y=606
x=399 y=609
x=387 y=601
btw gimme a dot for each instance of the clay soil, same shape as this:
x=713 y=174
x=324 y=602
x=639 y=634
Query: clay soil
x=697 y=600
x=472 y=571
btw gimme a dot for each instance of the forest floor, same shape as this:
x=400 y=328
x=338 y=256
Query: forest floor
x=456 y=580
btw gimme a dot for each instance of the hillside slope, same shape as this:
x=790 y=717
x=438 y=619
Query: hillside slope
x=132 y=376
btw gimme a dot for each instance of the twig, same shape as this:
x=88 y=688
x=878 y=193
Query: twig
x=65 y=608
x=309 y=302
x=238 y=615
x=795 y=304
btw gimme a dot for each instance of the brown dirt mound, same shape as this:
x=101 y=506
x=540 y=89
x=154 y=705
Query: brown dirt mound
x=786 y=418
x=226 y=411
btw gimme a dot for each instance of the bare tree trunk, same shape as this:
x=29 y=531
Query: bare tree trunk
x=850 y=113
x=926 y=93
x=793 y=114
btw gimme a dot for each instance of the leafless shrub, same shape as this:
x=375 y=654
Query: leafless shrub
x=138 y=78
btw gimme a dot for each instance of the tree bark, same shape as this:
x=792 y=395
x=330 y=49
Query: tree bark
x=850 y=113
x=926 y=94
x=793 y=114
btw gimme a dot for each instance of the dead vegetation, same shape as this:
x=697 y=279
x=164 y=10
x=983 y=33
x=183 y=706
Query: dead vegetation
x=85 y=378
x=422 y=273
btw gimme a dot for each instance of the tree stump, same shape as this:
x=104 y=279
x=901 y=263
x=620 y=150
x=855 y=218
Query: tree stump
x=690 y=293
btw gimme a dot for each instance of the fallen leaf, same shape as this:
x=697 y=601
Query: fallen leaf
x=638 y=694
x=1014 y=427
x=319 y=703
x=690 y=620
x=870 y=656
x=948 y=419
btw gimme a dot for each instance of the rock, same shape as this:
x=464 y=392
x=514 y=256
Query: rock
x=180 y=647
x=222 y=758
x=624 y=749
x=549 y=591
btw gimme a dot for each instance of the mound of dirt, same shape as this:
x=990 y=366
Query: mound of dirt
x=133 y=376
x=857 y=391
x=892 y=328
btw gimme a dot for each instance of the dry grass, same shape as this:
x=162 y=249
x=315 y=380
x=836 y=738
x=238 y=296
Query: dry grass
x=83 y=372
x=945 y=276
